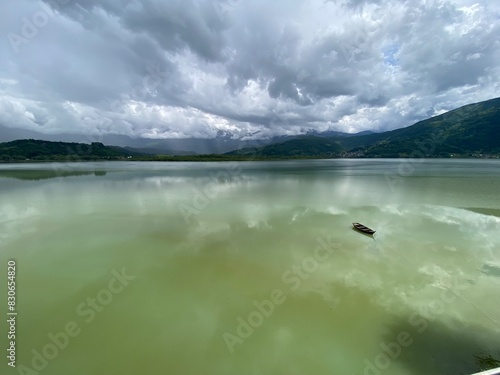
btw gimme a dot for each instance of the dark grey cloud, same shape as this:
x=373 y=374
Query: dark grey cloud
x=194 y=68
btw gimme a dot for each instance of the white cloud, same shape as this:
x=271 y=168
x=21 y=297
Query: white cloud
x=244 y=66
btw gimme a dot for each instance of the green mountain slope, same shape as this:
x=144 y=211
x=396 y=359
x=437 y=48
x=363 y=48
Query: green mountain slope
x=474 y=128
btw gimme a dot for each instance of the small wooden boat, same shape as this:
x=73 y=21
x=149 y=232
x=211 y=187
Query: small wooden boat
x=362 y=228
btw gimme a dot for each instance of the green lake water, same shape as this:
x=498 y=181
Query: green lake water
x=252 y=267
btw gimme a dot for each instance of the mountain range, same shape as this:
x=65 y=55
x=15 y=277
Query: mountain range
x=471 y=130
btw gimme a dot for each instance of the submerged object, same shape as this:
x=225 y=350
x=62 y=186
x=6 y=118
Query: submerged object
x=363 y=229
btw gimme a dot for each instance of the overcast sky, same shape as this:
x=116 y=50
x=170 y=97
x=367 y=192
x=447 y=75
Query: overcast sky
x=188 y=68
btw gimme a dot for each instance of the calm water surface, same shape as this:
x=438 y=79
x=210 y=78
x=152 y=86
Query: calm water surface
x=253 y=268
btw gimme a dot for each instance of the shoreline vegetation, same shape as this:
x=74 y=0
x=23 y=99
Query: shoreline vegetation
x=70 y=158
x=219 y=157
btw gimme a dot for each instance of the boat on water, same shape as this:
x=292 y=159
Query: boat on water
x=363 y=228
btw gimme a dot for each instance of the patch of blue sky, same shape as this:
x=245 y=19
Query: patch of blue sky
x=390 y=52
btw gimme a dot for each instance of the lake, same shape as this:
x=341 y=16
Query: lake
x=253 y=267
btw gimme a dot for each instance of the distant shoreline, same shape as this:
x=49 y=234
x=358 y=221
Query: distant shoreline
x=217 y=158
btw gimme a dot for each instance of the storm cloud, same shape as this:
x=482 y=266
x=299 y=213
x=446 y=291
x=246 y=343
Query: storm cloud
x=248 y=68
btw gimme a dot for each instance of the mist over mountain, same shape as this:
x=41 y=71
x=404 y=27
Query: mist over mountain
x=466 y=131
x=222 y=143
x=187 y=146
